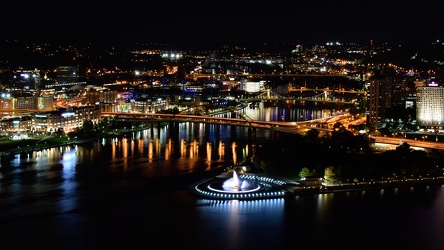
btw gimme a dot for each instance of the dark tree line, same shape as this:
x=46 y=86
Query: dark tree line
x=344 y=157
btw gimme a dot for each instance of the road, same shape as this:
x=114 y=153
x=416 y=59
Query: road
x=411 y=142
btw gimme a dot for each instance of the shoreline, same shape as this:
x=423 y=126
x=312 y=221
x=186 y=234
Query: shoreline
x=294 y=187
x=362 y=186
x=291 y=189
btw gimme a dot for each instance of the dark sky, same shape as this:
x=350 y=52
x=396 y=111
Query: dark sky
x=215 y=21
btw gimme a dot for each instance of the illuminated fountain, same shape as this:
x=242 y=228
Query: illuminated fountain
x=234 y=185
x=244 y=186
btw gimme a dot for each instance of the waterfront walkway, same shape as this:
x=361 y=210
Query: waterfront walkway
x=368 y=185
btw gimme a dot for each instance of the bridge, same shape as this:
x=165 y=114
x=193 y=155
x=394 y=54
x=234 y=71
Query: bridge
x=394 y=142
x=341 y=90
x=244 y=121
x=249 y=75
x=324 y=96
x=288 y=127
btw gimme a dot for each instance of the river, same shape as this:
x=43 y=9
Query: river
x=131 y=192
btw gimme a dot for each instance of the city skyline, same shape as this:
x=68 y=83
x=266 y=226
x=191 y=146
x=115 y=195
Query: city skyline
x=227 y=22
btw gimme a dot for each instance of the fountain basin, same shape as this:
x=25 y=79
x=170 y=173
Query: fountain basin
x=244 y=186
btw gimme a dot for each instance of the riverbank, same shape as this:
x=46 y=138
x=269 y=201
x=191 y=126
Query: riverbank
x=276 y=186
x=372 y=185
x=11 y=147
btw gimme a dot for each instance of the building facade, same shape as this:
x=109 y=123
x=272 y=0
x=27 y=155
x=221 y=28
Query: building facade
x=430 y=106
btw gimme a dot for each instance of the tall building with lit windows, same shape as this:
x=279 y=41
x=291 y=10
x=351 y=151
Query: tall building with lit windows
x=387 y=96
x=252 y=87
x=68 y=76
x=26 y=79
x=375 y=102
x=430 y=105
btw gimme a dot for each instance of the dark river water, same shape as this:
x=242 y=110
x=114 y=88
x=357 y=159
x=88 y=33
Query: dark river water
x=131 y=192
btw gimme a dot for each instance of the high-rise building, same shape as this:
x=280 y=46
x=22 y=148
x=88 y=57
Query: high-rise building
x=388 y=97
x=430 y=105
x=375 y=102
x=67 y=76
x=26 y=80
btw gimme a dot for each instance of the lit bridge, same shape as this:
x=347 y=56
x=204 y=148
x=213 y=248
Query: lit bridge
x=324 y=96
x=249 y=75
x=340 y=90
x=244 y=121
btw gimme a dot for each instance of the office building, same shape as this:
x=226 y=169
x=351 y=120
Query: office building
x=430 y=105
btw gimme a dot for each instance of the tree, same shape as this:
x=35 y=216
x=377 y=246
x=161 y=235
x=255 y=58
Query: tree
x=342 y=139
x=104 y=122
x=304 y=172
x=88 y=127
x=338 y=127
x=312 y=135
x=329 y=174
x=404 y=148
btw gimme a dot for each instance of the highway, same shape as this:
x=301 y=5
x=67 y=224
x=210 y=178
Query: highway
x=411 y=142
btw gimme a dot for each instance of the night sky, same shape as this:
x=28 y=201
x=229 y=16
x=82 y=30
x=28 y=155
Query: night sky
x=225 y=21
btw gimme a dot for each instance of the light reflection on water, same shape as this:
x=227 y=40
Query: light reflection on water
x=240 y=221
x=150 y=153
x=51 y=184
x=368 y=219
